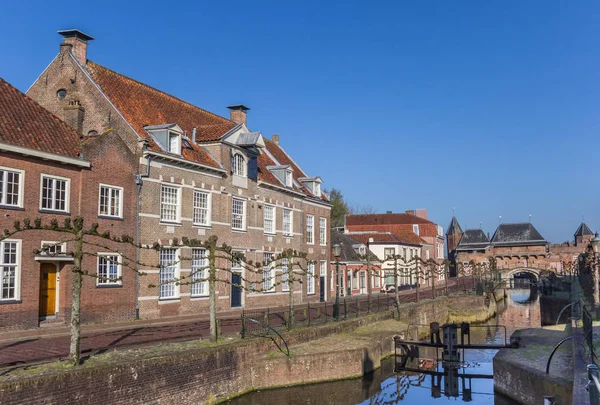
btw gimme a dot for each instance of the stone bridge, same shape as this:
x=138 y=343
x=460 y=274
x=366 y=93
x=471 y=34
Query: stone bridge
x=509 y=273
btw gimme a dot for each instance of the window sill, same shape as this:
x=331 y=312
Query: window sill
x=111 y=218
x=55 y=212
x=209 y=226
x=169 y=300
x=199 y=297
x=166 y=223
x=109 y=286
x=270 y=234
x=11 y=207
x=8 y=302
x=239 y=230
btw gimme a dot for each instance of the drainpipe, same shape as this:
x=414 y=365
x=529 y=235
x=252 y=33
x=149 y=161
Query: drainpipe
x=139 y=181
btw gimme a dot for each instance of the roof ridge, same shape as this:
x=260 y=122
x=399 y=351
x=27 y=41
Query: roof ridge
x=160 y=91
x=288 y=156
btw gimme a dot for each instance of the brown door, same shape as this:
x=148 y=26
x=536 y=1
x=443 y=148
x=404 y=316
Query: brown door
x=47 y=289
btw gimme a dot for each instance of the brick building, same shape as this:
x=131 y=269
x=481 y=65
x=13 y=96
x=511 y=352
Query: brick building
x=405 y=226
x=197 y=174
x=514 y=246
x=48 y=171
x=354 y=274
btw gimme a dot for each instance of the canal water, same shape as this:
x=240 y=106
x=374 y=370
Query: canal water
x=520 y=310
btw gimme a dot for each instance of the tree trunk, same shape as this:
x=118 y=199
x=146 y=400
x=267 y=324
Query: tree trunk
x=212 y=299
x=446 y=278
x=291 y=296
x=432 y=281
x=74 y=349
x=417 y=275
x=596 y=280
x=396 y=282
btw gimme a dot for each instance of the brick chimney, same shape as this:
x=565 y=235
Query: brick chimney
x=78 y=41
x=421 y=212
x=275 y=139
x=410 y=212
x=73 y=115
x=237 y=113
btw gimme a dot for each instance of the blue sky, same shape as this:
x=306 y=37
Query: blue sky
x=488 y=107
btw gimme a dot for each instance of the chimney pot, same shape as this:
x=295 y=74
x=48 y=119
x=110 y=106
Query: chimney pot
x=194 y=135
x=275 y=139
x=237 y=113
x=78 y=41
x=410 y=212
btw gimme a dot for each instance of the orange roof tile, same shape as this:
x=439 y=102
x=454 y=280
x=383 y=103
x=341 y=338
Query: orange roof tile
x=25 y=123
x=395 y=223
x=142 y=105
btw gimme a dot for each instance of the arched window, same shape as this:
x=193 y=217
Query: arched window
x=238 y=165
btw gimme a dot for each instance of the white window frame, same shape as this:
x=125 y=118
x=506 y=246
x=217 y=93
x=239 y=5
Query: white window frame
x=268 y=272
x=4 y=186
x=243 y=227
x=323 y=231
x=54 y=180
x=53 y=244
x=377 y=277
x=310 y=279
x=171 y=135
x=288 y=178
x=416 y=229
x=196 y=209
x=285 y=284
x=16 y=265
x=110 y=197
x=119 y=260
x=238 y=165
x=199 y=271
x=310 y=229
x=269 y=221
x=289 y=224
x=173 y=266
x=177 y=203
x=386 y=256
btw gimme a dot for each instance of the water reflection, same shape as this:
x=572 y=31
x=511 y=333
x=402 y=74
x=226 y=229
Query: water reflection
x=429 y=382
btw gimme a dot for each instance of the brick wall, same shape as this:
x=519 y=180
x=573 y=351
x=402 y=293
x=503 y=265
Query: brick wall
x=195 y=375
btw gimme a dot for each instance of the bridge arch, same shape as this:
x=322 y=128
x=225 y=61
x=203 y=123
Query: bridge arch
x=509 y=274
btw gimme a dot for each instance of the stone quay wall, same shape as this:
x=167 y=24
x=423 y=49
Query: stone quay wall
x=207 y=375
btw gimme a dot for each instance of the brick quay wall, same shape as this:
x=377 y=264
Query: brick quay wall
x=204 y=375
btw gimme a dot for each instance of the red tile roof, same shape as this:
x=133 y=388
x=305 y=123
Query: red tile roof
x=25 y=123
x=283 y=159
x=395 y=223
x=142 y=105
x=386 y=237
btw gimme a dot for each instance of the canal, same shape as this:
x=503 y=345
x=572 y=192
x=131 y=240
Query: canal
x=520 y=310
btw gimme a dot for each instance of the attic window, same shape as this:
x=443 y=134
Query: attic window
x=416 y=229
x=187 y=144
x=92 y=133
x=61 y=94
x=288 y=179
x=237 y=165
x=174 y=143
x=316 y=189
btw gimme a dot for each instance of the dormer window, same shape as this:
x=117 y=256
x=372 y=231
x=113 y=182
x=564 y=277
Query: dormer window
x=313 y=184
x=174 y=143
x=288 y=179
x=283 y=174
x=168 y=137
x=416 y=229
x=238 y=165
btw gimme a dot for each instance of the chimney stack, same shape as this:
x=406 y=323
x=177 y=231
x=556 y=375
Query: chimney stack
x=73 y=116
x=421 y=213
x=78 y=42
x=237 y=113
x=275 y=139
x=410 y=212
x=194 y=135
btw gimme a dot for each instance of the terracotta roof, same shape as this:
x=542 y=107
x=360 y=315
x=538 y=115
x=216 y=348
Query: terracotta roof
x=427 y=229
x=386 y=237
x=283 y=159
x=142 y=105
x=25 y=123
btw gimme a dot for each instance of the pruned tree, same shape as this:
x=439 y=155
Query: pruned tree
x=83 y=240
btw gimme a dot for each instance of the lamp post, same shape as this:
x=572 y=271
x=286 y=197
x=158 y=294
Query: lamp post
x=337 y=252
x=596 y=247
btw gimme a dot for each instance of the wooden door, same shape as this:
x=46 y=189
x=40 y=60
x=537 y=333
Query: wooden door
x=47 y=289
